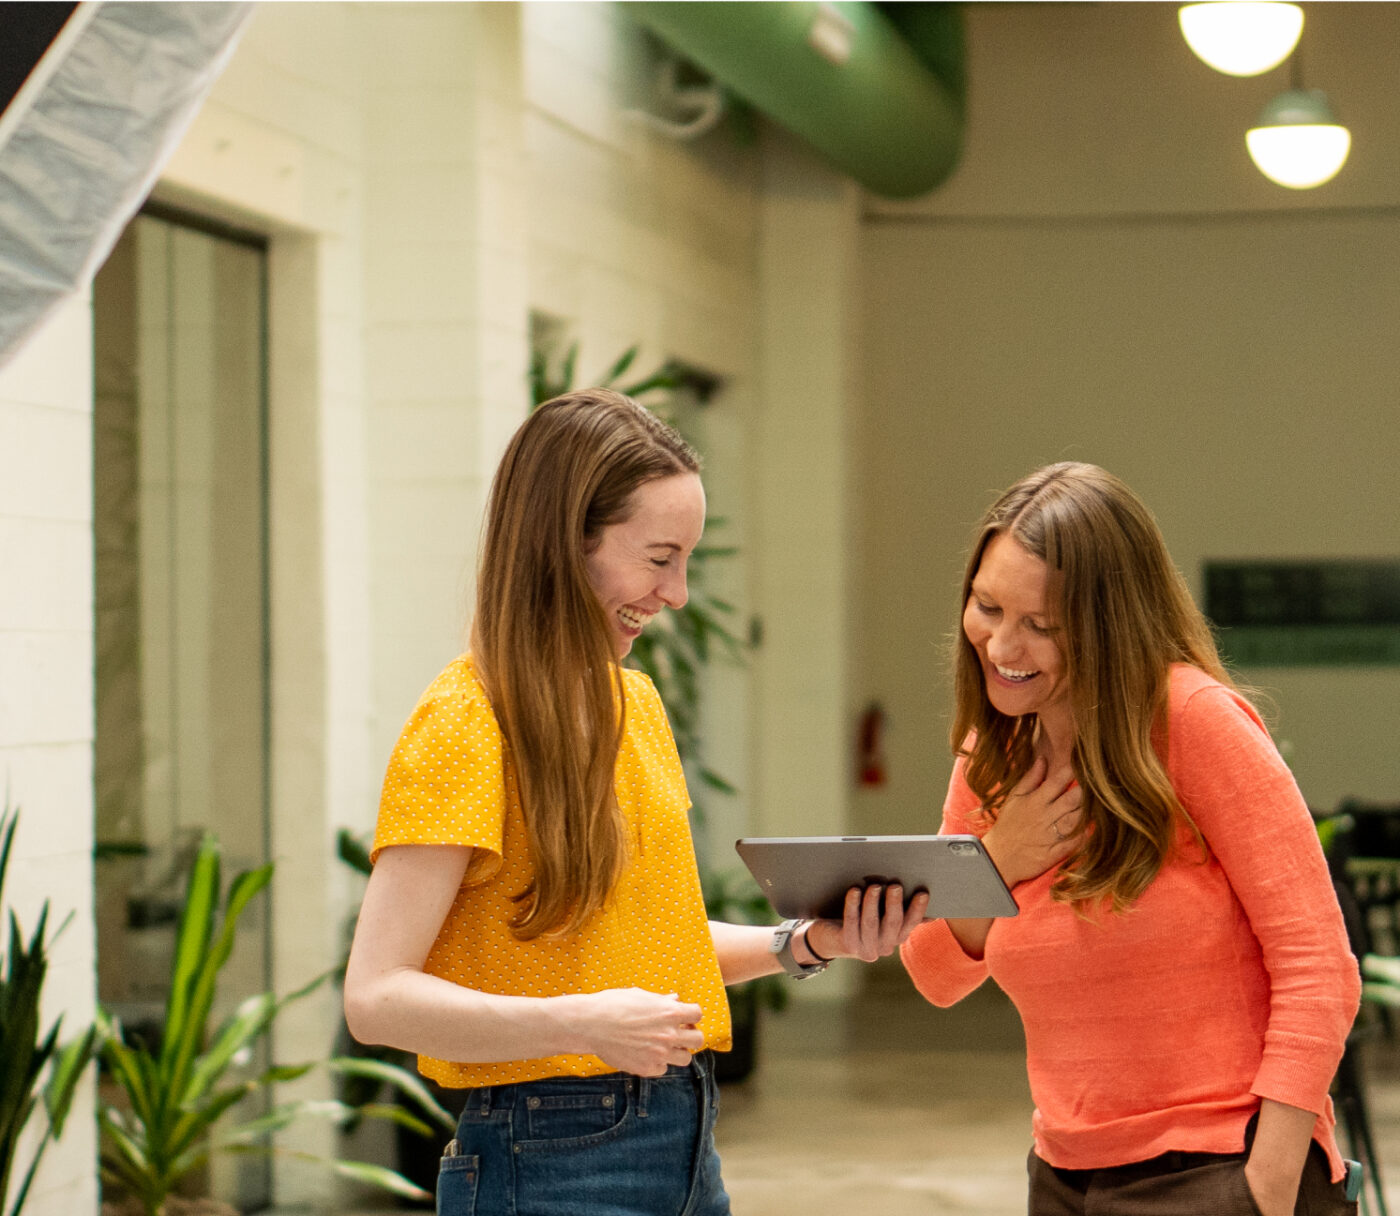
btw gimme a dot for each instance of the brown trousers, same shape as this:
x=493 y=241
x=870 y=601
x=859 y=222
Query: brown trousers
x=1175 y=1184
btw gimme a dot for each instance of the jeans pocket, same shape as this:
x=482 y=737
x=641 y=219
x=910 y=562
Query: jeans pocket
x=574 y=1119
x=457 y=1185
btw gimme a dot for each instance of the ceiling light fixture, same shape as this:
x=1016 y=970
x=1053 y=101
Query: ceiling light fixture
x=1297 y=141
x=1241 y=37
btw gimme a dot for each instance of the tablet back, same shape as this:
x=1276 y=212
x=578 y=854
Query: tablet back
x=808 y=876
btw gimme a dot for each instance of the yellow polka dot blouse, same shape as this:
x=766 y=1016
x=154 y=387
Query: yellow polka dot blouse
x=450 y=781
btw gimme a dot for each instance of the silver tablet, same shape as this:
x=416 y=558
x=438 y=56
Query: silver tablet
x=808 y=876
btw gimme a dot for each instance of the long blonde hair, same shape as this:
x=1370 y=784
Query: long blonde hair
x=542 y=644
x=1124 y=615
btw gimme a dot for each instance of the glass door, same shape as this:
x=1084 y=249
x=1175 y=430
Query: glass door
x=180 y=503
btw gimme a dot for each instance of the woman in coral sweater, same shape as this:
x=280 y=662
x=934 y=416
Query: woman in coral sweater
x=1179 y=961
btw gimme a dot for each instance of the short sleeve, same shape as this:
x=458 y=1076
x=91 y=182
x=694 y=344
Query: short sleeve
x=445 y=782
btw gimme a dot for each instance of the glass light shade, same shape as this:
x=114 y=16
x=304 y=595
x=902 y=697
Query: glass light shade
x=1241 y=37
x=1297 y=141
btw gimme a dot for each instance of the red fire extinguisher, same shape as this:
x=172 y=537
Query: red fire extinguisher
x=870 y=758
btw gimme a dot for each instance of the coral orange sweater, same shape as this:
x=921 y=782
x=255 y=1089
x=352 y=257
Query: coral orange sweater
x=1228 y=981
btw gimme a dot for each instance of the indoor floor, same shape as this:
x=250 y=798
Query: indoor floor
x=891 y=1107
x=886 y=1106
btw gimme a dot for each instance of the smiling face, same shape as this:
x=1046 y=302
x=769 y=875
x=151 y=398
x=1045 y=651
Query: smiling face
x=637 y=567
x=1009 y=622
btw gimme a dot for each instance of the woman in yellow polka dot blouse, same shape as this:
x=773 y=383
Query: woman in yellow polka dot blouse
x=533 y=927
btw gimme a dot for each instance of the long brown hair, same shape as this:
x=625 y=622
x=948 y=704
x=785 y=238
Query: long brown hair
x=1124 y=616
x=542 y=645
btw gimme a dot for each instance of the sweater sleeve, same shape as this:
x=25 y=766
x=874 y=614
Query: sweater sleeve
x=936 y=962
x=1242 y=797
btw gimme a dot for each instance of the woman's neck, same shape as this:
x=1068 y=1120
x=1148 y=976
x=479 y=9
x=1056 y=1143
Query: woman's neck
x=1054 y=737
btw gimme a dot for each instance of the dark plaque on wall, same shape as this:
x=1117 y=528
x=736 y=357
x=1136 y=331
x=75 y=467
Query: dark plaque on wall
x=1335 y=613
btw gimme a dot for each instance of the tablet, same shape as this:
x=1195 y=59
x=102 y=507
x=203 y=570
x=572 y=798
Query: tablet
x=808 y=876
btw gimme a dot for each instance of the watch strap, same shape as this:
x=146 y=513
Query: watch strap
x=782 y=946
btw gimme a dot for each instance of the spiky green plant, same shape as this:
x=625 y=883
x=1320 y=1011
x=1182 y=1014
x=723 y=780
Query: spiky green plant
x=177 y=1095
x=25 y=1058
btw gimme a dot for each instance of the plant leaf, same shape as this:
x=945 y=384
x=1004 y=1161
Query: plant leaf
x=351 y=850
x=191 y=953
x=662 y=378
x=390 y=1112
x=252 y=1017
x=566 y=372
x=282 y=1116
x=125 y=1065
x=401 y=1079
x=194 y=1124
x=241 y=893
x=715 y=781
x=380 y=1176
x=68 y=1067
x=619 y=367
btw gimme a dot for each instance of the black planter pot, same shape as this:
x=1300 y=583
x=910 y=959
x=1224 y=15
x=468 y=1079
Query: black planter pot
x=739 y=1062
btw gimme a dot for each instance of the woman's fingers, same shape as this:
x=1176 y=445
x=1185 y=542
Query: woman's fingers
x=877 y=920
x=870 y=922
x=914 y=915
x=892 y=926
x=1038 y=826
x=1065 y=811
x=641 y=1032
x=1034 y=778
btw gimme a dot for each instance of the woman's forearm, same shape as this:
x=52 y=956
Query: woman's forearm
x=413 y=1011
x=875 y=923
x=745 y=951
x=1276 y=1159
x=630 y=1029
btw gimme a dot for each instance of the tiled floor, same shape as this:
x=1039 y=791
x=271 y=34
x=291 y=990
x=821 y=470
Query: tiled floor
x=886 y=1106
x=893 y=1108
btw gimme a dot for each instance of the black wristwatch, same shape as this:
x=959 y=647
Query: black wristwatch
x=782 y=947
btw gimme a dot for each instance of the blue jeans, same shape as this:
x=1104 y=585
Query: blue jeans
x=615 y=1145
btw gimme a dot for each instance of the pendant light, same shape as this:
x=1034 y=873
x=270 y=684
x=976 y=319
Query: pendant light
x=1297 y=141
x=1241 y=37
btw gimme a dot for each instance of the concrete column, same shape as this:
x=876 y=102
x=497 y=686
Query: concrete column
x=810 y=217
x=446 y=339
x=46 y=696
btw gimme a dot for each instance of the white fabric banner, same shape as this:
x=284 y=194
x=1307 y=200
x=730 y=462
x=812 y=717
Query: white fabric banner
x=85 y=138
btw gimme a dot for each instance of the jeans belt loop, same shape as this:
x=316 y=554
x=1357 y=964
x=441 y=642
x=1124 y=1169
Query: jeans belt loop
x=643 y=1096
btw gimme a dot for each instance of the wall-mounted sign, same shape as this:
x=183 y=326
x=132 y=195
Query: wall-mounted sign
x=1336 y=613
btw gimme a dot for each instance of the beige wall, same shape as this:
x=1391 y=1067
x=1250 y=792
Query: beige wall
x=1107 y=278
x=46 y=692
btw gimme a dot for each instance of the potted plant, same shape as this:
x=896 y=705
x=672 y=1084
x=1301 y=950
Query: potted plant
x=177 y=1093
x=37 y=1076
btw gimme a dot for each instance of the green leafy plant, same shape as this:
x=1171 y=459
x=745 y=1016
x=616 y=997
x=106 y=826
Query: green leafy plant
x=25 y=1057
x=177 y=1094
x=678 y=645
